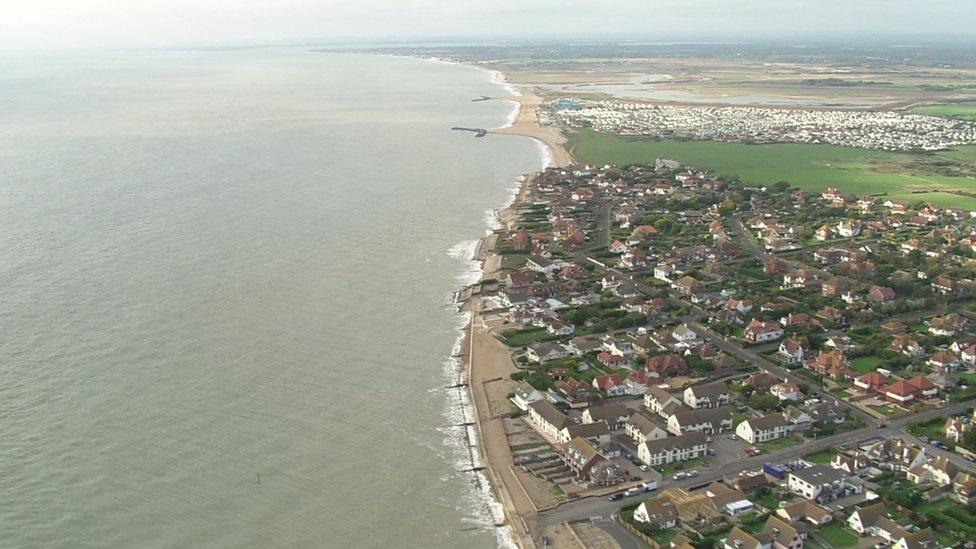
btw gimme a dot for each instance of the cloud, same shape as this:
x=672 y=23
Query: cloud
x=94 y=23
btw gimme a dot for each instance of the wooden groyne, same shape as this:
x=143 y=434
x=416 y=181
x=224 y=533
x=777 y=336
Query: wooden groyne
x=478 y=132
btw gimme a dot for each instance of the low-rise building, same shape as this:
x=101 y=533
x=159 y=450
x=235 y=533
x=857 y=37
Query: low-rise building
x=708 y=395
x=763 y=429
x=672 y=449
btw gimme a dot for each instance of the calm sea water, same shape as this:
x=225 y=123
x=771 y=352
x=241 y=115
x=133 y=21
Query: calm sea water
x=224 y=286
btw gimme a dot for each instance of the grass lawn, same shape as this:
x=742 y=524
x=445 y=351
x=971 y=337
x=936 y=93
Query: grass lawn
x=842 y=394
x=909 y=176
x=865 y=364
x=518 y=338
x=778 y=444
x=822 y=457
x=838 y=536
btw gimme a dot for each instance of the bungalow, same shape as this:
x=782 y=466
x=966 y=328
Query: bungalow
x=659 y=513
x=672 y=449
x=709 y=421
x=544 y=352
x=611 y=360
x=640 y=428
x=611 y=385
x=708 y=395
x=763 y=429
x=547 y=418
x=761 y=332
x=615 y=415
x=871 y=382
x=806 y=510
x=901 y=392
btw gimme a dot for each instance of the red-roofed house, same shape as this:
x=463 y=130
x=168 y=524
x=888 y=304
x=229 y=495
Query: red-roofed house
x=870 y=383
x=611 y=385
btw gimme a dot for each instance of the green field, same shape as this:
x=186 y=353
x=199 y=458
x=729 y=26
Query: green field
x=865 y=364
x=955 y=110
x=906 y=177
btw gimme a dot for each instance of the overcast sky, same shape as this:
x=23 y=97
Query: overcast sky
x=30 y=24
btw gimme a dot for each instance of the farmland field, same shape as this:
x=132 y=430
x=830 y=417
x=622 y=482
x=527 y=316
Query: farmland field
x=907 y=177
x=955 y=110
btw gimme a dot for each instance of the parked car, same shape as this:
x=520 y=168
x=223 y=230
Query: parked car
x=632 y=492
x=615 y=497
x=644 y=467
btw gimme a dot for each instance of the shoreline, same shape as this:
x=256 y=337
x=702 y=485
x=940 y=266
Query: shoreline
x=485 y=359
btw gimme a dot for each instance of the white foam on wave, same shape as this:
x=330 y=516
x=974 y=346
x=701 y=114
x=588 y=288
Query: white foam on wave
x=479 y=506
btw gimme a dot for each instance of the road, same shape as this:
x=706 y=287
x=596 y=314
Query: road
x=760 y=362
x=599 y=506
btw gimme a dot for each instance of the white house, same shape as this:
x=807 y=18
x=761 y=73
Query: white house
x=525 y=395
x=763 y=429
x=708 y=395
x=672 y=449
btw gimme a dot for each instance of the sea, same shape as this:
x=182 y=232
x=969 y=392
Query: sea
x=226 y=283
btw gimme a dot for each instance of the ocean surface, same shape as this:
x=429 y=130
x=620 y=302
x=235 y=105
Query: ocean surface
x=225 y=285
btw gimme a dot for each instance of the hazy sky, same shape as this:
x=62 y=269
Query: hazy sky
x=96 y=23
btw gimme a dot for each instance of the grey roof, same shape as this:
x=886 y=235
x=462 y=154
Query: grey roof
x=819 y=474
x=588 y=430
x=706 y=415
x=612 y=411
x=643 y=423
x=709 y=389
x=549 y=413
x=683 y=442
x=770 y=421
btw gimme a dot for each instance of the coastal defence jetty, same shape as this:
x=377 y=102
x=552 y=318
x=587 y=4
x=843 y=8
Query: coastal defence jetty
x=478 y=132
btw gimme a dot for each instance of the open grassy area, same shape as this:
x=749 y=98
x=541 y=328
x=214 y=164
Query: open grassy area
x=838 y=536
x=519 y=338
x=865 y=364
x=907 y=177
x=955 y=110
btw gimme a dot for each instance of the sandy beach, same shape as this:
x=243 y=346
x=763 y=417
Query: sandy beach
x=489 y=366
x=527 y=124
